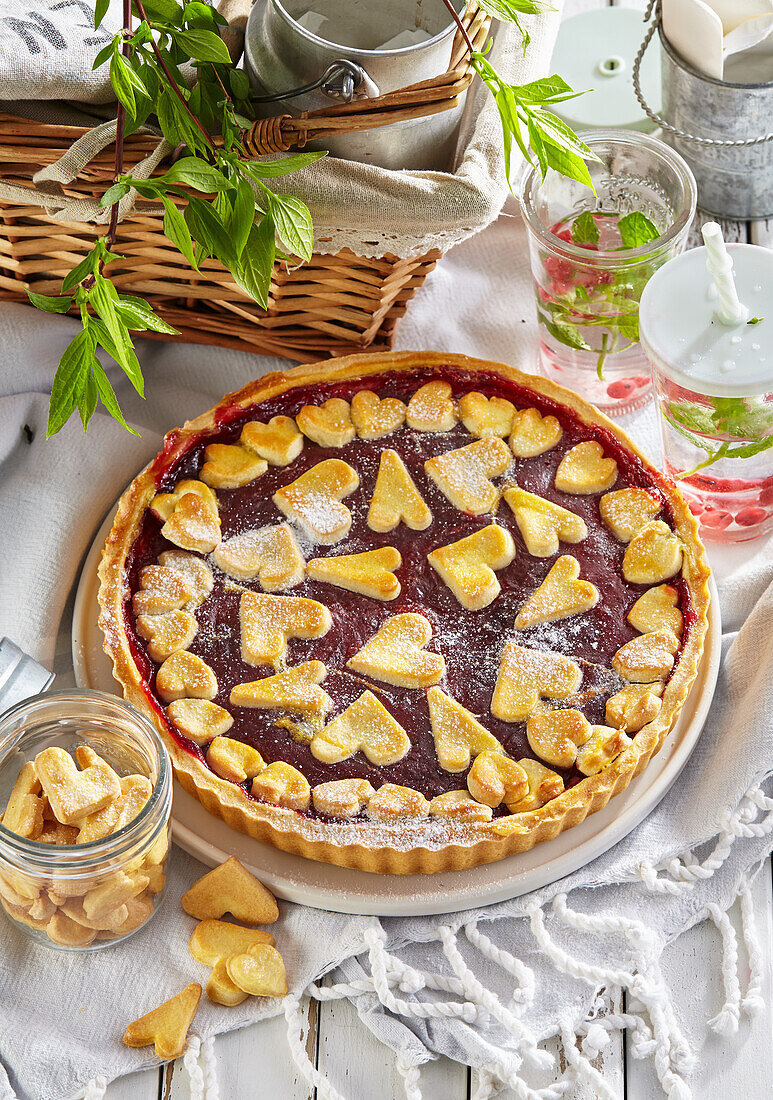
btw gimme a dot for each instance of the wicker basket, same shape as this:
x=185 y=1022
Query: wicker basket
x=332 y=305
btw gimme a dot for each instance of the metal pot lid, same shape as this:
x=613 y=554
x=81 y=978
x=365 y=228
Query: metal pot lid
x=596 y=50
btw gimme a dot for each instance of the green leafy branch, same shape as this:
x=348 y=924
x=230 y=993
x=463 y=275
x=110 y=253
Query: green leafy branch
x=745 y=419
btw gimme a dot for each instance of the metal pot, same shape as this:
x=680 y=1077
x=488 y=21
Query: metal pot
x=292 y=66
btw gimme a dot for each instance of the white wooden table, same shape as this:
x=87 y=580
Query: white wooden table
x=255 y=1063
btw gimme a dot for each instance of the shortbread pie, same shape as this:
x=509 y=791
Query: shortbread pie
x=404 y=612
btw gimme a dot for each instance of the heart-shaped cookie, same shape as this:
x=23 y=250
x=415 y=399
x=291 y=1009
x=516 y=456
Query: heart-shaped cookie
x=73 y=794
x=270 y=554
x=533 y=434
x=233 y=760
x=199 y=719
x=647 y=658
x=431 y=409
x=230 y=888
x=464 y=476
x=654 y=555
x=657 y=609
x=458 y=733
x=495 y=778
x=184 y=675
x=279 y=441
x=296 y=689
x=542 y=523
x=196 y=571
x=166 y=1027
x=370 y=573
x=395 y=498
x=162 y=588
x=329 y=425
x=220 y=989
x=212 y=940
x=584 y=470
x=166 y=634
x=396 y=655
x=135 y=792
x=485 y=416
x=260 y=971
x=192 y=518
x=467 y=566
x=628 y=511
x=282 y=785
x=313 y=500
x=527 y=675
x=600 y=749
x=24 y=810
x=555 y=735
x=267 y=622
x=560 y=595
x=459 y=805
x=634 y=706
x=365 y=726
x=391 y=802
x=544 y=784
x=228 y=466
x=342 y=797
x=375 y=417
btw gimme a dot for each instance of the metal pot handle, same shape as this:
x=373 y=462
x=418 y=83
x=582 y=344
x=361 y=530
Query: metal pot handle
x=343 y=79
x=740 y=143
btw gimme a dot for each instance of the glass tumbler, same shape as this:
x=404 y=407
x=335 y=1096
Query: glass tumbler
x=84 y=896
x=588 y=270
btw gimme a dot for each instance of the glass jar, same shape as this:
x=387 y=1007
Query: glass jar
x=588 y=278
x=85 y=896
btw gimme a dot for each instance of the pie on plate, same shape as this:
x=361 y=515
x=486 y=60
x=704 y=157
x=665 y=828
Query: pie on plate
x=406 y=612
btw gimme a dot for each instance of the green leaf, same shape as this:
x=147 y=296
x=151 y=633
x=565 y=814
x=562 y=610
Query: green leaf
x=636 y=229
x=556 y=130
x=100 y=11
x=130 y=364
x=240 y=83
x=139 y=315
x=548 y=89
x=162 y=11
x=568 y=164
x=755 y=320
x=86 y=267
x=49 y=303
x=107 y=396
x=104 y=55
x=69 y=380
x=293 y=224
x=122 y=84
x=195 y=173
x=87 y=402
x=270 y=169
x=510 y=10
x=627 y=324
x=207 y=227
x=114 y=194
x=565 y=333
x=257 y=262
x=177 y=231
x=243 y=216
x=203 y=45
x=102 y=297
x=584 y=229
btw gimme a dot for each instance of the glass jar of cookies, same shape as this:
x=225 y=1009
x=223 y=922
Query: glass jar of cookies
x=86 y=794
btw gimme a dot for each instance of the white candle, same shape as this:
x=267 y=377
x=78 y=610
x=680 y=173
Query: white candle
x=730 y=310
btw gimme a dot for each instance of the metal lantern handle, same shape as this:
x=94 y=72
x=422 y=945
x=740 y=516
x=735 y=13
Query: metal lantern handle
x=740 y=143
x=343 y=79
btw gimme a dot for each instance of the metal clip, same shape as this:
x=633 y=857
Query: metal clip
x=20 y=676
x=343 y=80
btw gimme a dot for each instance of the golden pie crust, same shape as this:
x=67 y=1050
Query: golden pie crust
x=397 y=836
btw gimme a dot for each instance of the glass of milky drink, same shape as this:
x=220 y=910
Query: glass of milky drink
x=707 y=327
x=86 y=794
x=592 y=254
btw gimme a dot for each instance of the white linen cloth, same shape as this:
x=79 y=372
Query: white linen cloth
x=62 y=1015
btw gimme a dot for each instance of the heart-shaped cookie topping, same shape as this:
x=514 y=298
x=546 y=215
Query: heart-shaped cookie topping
x=495 y=778
x=233 y=760
x=184 y=675
x=464 y=476
x=431 y=409
x=395 y=498
x=24 y=811
x=634 y=706
x=533 y=434
x=370 y=573
x=166 y=1026
x=230 y=888
x=542 y=523
x=270 y=554
x=329 y=425
x=396 y=655
x=459 y=805
x=628 y=511
x=296 y=689
x=527 y=675
x=73 y=794
x=600 y=749
x=544 y=784
x=165 y=634
x=365 y=726
x=342 y=797
x=485 y=416
x=647 y=658
x=279 y=441
x=555 y=735
x=267 y=622
x=196 y=571
x=584 y=470
x=191 y=515
x=375 y=417
x=282 y=785
x=392 y=802
x=313 y=500
x=467 y=566
x=260 y=971
x=458 y=733
x=560 y=595
x=654 y=555
x=199 y=719
x=229 y=467
x=657 y=609
x=162 y=589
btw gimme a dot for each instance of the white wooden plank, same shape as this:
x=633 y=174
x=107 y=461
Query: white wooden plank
x=737 y=1067
x=762 y=233
x=137 y=1086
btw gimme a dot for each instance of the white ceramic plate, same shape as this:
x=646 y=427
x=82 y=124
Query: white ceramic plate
x=326 y=887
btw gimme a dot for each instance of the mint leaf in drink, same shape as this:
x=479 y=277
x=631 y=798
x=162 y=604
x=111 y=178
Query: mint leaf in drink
x=636 y=229
x=584 y=229
x=565 y=334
